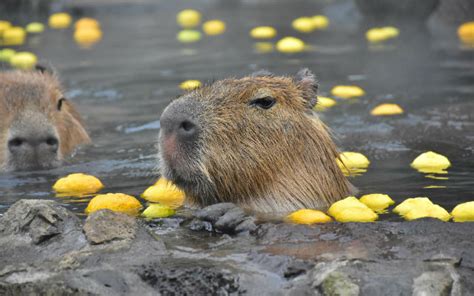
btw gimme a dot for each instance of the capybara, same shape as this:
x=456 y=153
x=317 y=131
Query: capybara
x=253 y=141
x=38 y=126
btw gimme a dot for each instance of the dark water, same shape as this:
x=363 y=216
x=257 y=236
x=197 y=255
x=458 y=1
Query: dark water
x=123 y=83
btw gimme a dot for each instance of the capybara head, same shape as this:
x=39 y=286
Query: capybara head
x=254 y=141
x=38 y=126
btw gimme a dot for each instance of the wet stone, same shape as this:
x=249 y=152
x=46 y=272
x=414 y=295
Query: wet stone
x=105 y=226
x=434 y=283
x=338 y=284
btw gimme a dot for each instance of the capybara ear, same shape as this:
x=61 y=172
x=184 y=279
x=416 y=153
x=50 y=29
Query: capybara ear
x=46 y=69
x=262 y=73
x=306 y=82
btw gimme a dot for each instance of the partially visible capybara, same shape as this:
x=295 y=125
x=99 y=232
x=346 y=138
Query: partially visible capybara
x=253 y=141
x=38 y=126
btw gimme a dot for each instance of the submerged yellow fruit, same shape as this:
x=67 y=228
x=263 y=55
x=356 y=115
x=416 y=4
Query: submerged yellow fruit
x=6 y=54
x=347 y=91
x=466 y=33
x=117 y=202
x=308 y=216
x=188 y=36
x=324 y=103
x=303 y=24
x=14 y=36
x=263 y=47
x=348 y=202
x=35 y=28
x=377 y=201
x=431 y=162
x=23 y=60
x=320 y=22
x=190 y=84
x=352 y=162
x=165 y=192
x=356 y=214
x=87 y=36
x=59 y=20
x=387 y=109
x=158 y=211
x=78 y=184
x=214 y=27
x=463 y=212
x=263 y=32
x=290 y=45
x=188 y=18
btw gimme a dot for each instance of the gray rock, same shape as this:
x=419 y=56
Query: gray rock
x=339 y=284
x=104 y=226
x=433 y=283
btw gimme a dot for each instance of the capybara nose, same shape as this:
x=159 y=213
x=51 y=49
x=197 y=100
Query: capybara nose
x=179 y=120
x=34 y=145
x=186 y=129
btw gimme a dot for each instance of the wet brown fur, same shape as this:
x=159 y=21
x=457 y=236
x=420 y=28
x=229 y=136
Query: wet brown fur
x=39 y=92
x=276 y=160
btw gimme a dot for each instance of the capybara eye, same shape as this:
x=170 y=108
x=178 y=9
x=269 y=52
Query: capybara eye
x=60 y=103
x=264 y=103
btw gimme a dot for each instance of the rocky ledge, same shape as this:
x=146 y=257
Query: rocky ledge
x=47 y=250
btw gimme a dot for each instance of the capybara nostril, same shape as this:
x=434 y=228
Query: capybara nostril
x=52 y=141
x=187 y=128
x=15 y=143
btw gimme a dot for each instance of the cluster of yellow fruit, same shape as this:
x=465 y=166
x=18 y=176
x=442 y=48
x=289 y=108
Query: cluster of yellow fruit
x=377 y=35
x=15 y=36
x=368 y=208
x=189 y=19
x=307 y=24
x=164 y=196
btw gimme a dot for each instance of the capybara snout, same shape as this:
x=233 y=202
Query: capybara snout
x=38 y=125
x=253 y=141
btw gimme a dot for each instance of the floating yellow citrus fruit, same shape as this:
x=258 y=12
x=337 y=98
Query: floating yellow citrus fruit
x=6 y=54
x=59 y=20
x=356 y=214
x=421 y=207
x=87 y=22
x=463 y=212
x=23 y=60
x=466 y=32
x=188 y=18
x=188 y=36
x=78 y=184
x=376 y=35
x=35 y=28
x=117 y=202
x=190 y=84
x=158 y=211
x=320 y=22
x=387 y=109
x=213 y=27
x=290 y=45
x=263 y=32
x=377 y=201
x=14 y=36
x=347 y=91
x=165 y=192
x=324 y=103
x=303 y=24
x=352 y=162
x=4 y=25
x=431 y=162
x=348 y=202
x=87 y=36
x=308 y=216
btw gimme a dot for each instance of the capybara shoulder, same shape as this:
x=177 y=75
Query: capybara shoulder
x=254 y=141
x=38 y=125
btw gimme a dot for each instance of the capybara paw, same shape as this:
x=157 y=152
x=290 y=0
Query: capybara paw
x=227 y=218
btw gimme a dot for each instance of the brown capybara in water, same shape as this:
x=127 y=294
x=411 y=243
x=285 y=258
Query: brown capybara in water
x=253 y=141
x=38 y=126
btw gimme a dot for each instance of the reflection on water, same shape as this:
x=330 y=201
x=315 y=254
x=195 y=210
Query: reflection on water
x=123 y=84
